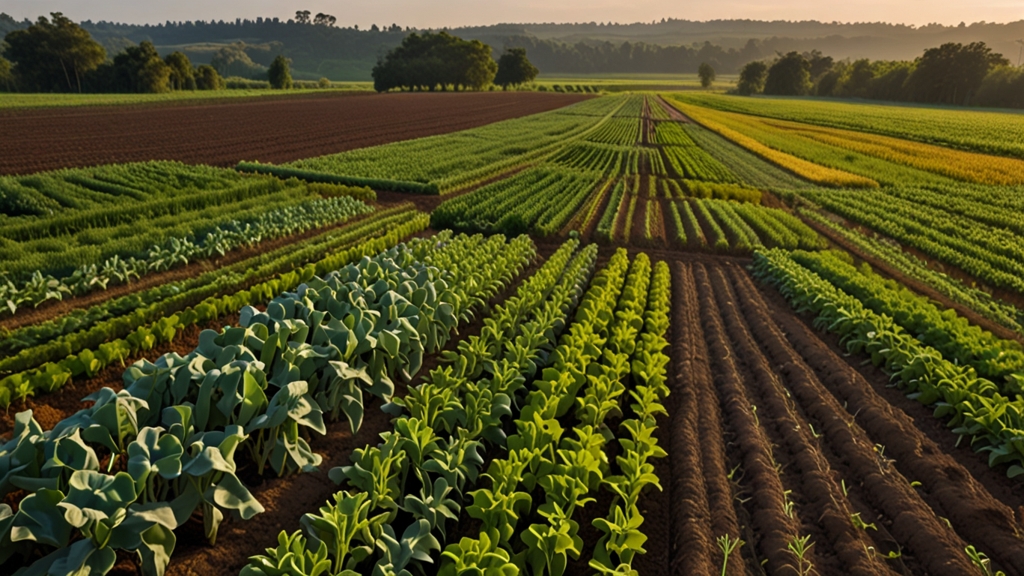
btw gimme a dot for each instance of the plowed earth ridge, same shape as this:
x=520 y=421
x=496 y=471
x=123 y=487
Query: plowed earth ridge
x=775 y=436
x=224 y=133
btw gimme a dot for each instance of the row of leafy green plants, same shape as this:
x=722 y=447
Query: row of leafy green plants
x=400 y=495
x=125 y=472
x=893 y=255
x=974 y=407
x=611 y=349
x=541 y=200
x=419 y=475
x=49 y=195
x=62 y=241
x=458 y=160
x=179 y=251
x=686 y=158
x=992 y=254
x=81 y=345
x=731 y=226
x=999 y=360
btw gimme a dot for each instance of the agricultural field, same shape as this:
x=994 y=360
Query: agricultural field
x=543 y=335
x=225 y=132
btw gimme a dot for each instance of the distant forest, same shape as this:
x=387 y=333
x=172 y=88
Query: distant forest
x=327 y=48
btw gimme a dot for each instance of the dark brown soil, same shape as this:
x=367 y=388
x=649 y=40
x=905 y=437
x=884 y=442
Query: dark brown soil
x=225 y=132
x=978 y=502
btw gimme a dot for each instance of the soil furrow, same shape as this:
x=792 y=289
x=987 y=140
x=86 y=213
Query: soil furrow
x=774 y=528
x=973 y=513
x=824 y=505
x=693 y=525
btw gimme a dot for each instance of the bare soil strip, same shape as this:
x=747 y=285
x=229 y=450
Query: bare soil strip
x=225 y=132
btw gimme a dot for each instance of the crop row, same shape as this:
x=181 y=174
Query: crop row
x=686 y=158
x=116 y=330
x=748 y=167
x=1001 y=361
x=399 y=496
x=971 y=405
x=606 y=226
x=682 y=189
x=540 y=200
x=603 y=358
x=911 y=266
x=250 y=393
x=725 y=225
x=966 y=129
x=65 y=240
x=992 y=255
x=655 y=109
x=106 y=186
x=731 y=128
x=617 y=131
x=179 y=251
x=193 y=290
x=590 y=157
x=459 y=159
x=632 y=108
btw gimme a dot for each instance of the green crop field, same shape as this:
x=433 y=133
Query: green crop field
x=651 y=330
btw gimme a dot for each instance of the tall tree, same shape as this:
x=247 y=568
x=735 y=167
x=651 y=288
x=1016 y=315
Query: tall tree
x=6 y=76
x=280 y=74
x=514 y=68
x=183 y=76
x=53 y=55
x=302 y=16
x=430 y=61
x=952 y=73
x=140 y=69
x=752 y=78
x=234 y=60
x=207 y=78
x=790 y=75
x=706 y=74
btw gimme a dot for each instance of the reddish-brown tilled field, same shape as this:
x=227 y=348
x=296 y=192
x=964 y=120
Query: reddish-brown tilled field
x=222 y=133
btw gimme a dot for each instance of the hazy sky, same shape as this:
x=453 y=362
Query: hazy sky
x=421 y=13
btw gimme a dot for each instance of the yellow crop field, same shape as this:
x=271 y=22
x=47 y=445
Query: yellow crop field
x=959 y=164
x=816 y=173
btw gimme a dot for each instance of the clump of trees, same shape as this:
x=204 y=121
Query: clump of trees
x=752 y=78
x=53 y=55
x=706 y=74
x=57 y=55
x=514 y=69
x=280 y=74
x=960 y=74
x=432 y=61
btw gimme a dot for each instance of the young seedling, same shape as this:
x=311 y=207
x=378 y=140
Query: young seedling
x=788 y=507
x=799 y=548
x=982 y=562
x=727 y=545
x=859 y=523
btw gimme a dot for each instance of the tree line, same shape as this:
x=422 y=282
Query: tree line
x=438 y=61
x=57 y=55
x=953 y=73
